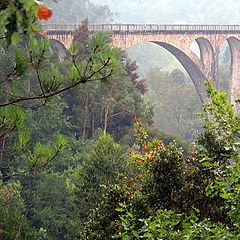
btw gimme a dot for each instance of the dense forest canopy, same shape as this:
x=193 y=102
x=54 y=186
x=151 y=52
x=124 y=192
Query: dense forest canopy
x=80 y=157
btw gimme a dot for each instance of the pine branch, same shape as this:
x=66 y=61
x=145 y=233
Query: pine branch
x=52 y=94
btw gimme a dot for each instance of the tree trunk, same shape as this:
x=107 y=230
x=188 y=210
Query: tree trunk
x=93 y=122
x=85 y=115
x=106 y=118
x=2 y=146
x=1 y=233
x=106 y=112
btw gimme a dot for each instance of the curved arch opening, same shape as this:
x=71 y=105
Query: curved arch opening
x=224 y=66
x=192 y=69
x=194 y=47
x=149 y=55
x=170 y=89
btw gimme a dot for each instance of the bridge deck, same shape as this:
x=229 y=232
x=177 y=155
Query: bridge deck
x=147 y=28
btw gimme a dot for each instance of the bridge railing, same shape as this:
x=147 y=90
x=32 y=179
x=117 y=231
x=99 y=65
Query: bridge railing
x=143 y=27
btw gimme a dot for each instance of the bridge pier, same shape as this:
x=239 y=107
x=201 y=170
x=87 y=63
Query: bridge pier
x=234 y=86
x=209 y=58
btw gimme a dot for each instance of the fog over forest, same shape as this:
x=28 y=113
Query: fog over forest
x=172 y=11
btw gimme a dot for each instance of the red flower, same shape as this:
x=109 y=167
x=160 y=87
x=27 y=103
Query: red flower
x=131 y=152
x=44 y=13
x=128 y=181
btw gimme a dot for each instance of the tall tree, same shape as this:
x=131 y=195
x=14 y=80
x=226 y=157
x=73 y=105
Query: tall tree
x=112 y=106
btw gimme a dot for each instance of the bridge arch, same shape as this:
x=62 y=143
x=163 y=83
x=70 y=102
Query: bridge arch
x=209 y=38
x=59 y=48
x=190 y=66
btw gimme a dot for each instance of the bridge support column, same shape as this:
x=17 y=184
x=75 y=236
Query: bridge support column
x=209 y=57
x=234 y=86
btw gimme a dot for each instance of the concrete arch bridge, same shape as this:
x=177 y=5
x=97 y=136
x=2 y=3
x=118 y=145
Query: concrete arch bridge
x=176 y=39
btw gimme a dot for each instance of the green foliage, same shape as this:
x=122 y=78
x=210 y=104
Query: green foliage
x=111 y=106
x=45 y=77
x=127 y=221
x=100 y=167
x=174 y=196
x=53 y=205
x=90 y=191
x=13 y=221
x=34 y=207
x=169 y=225
x=220 y=138
x=12 y=118
x=103 y=222
x=23 y=139
x=17 y=18
x=33 y=77
x=21 y=64
x=219 y=151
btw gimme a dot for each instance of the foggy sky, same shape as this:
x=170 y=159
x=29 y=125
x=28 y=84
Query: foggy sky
x=174 y=11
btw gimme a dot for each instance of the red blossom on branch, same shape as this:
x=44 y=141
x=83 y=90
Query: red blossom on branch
x=44 y=13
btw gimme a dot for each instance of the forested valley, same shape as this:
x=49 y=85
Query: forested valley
x=102 y=143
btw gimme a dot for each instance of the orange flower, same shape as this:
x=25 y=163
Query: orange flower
x=160 y=144
x=131 y=152
x=145 y=146
x=128 y=181
x=44 y=13
x=149 y=157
